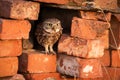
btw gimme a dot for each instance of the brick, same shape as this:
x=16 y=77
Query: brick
x=111 y=4
x=14 y=29
x=105 y=59
x=8 y=66
x=15 y=77
x=115 y=27
x=115 y=58
x=88 y=29
x=110 y=73
x=10 y=48
x=78 y=67
x=80 y=47
x=18 y=9
x=42 y=76
x=95 y=15
x=105 y=39
x=53 y=1
x=32 y=61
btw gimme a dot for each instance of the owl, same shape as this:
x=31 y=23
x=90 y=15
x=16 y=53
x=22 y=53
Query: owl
x=48 y=33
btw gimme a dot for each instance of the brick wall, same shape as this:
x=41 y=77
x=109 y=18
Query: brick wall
x=87 y=49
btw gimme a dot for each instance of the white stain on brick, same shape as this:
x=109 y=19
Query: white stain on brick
x=88 y=69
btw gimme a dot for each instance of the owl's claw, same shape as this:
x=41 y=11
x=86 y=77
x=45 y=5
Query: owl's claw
x=53 y=52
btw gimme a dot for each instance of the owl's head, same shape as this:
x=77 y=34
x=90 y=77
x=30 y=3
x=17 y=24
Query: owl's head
x=52 y=25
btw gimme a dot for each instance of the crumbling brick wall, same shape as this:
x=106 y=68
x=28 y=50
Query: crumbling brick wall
x=87 y=49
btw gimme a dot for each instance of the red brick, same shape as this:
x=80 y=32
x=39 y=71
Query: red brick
x=105 y=39
x=95 y=15
x=115 y=27
x=14 y=29
x=88 y=29
x=110 y=73
x=115 y=58
x=105 y=60
x=43 y=76
x=33 y=61
x=80 y=47
x=18 y=9
x=105 y=4
x=15 y=77
x=54 y=1
x=78 y=67
x=10 y=48
x=8 y=66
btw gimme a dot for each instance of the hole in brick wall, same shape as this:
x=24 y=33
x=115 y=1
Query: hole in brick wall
x=64 y=15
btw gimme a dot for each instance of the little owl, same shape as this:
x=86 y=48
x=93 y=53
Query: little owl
x=48 y=33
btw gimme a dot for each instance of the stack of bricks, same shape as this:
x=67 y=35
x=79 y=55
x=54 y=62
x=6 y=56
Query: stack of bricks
x=78 y=53
x=14 y=26
x=34 y=64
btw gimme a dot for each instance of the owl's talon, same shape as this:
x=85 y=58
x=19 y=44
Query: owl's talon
x=53 y=52
x=46 y=52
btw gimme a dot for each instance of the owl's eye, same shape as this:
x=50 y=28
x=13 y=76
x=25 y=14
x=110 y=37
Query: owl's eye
x=57 y=24
x=49 y=24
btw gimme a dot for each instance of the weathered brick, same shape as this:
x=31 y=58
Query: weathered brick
x=54 y=1
x=33 y=61
x=42 y=76
x=105 y=39
x=14 y=29
x=105 y=59
x=115 y=29
x=80 y=47
x=115 y=58
x=95 y=15
x=88 y=29
x=18 y=9
x=8 y=66
x=15 y=77
x=10 y=48
x=110 y=73
x=111 y=4
x=78 y=67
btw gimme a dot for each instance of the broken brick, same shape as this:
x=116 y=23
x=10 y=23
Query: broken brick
x=14 y=29
x=78 y=67
x=18 y=9
x=88 y=29
x=32 y=61
x=80 y=47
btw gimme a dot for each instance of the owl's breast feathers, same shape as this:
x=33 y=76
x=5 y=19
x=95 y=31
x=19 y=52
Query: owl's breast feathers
x=44 y=37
